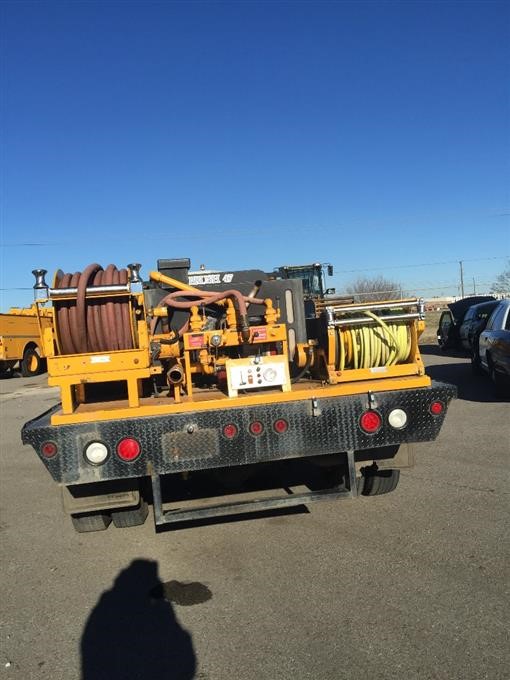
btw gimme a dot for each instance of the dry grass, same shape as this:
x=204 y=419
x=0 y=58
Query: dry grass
x=429 y=336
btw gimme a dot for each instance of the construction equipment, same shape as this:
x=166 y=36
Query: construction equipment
x=21 y=332
x=218 y=370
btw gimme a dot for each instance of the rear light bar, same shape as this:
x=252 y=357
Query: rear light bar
x=255 y=428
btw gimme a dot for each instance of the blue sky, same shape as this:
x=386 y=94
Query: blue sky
x=253 y=134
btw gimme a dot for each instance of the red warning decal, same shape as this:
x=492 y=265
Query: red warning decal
x=196 y=340
x=259 y=333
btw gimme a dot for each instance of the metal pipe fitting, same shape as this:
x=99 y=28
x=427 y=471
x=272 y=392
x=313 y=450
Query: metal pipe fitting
x=40 y=285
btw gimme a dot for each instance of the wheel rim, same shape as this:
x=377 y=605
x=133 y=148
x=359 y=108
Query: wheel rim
x=32 y=364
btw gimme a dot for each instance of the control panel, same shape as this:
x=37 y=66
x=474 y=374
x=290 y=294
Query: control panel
x=257 y=372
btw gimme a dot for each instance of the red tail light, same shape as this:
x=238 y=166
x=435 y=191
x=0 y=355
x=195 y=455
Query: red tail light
x=128 y=449
x=280 y=426
x=230 y=431
x=370 y=422
x=256 y=428
x=436 y=408
x=49 y=449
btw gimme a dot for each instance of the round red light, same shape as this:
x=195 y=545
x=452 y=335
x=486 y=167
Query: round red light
x=256 y=428
x=370 y=421
x=436 y=408
x=230 y=431
x=281 y=426
x=49 y=449
x=128 y=449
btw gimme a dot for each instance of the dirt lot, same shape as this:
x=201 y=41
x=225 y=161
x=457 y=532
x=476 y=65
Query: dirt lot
x=409 y=585
x=429 y=336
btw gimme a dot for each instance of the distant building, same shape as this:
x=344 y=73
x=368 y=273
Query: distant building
x=437 y=303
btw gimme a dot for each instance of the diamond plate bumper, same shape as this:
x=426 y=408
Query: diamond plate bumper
x=195 y=441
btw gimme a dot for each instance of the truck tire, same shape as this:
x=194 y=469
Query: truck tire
x=91 y=521
x=130 y=517
x=6 y=366
x=476 y=366
x=499 y=387
x=378 y=482
x=31 y=363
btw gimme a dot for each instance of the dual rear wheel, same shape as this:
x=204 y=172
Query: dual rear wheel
x=122 y=518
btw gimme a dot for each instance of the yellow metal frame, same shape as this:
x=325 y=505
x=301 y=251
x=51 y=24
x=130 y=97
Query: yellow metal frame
x=200 y=355
x=219 y=401
x=71 y=372
x=413 y=366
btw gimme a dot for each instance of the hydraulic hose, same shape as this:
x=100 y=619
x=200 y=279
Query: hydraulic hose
x=372 y=347
x=208 y=298
x=97 y=324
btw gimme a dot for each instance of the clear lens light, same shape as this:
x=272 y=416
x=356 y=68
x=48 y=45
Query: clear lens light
x=397 y=418
x=96 y=453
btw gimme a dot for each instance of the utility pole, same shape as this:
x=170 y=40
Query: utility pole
x=461 y=278
x=474 y=286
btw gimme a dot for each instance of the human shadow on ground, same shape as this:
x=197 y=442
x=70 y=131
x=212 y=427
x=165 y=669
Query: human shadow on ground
x=132 y=635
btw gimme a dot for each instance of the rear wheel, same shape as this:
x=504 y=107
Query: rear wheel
x=130 y=517
x=498 y=380
x=91 y=521
x=377 y=482
x=31 y=363
x=6 y=366
x=476 y=366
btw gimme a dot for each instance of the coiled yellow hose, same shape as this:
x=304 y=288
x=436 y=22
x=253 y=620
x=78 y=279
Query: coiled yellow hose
x=374 y=346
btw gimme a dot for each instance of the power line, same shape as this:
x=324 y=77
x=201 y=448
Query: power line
x=421 y=264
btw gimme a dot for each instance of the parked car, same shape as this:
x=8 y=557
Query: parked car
x=452 y=318
x=493 y=356
x=474 y=323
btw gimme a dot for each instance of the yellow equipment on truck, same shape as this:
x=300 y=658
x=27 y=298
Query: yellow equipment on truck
x=193 y=371
x=21 y=339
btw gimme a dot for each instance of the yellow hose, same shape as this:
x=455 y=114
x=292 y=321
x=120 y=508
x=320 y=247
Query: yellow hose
x=372 y=347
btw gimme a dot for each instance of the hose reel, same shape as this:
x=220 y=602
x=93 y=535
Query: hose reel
x=372 y=347
x=93 y=310
x=363 y=339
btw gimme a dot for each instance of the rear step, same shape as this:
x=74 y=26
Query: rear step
x=371 y=483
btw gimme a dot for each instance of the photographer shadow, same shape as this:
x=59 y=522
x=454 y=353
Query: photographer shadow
x=132 y=636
